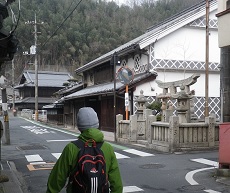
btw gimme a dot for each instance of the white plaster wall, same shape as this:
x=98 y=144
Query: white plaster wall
x=188 y=44
x=212 y=15
x=199 y=86
x=143 y=61
x=224 y=29
x=221 y=5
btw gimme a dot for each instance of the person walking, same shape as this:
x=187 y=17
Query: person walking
x=88 y=124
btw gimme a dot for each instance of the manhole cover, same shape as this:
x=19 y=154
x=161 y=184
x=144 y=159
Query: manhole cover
x=152 y=166
x=31 y=147
x=193 y=188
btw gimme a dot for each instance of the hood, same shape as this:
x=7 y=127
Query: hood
x=94 y=134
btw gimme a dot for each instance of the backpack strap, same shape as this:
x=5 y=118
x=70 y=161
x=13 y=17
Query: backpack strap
x=81 y=144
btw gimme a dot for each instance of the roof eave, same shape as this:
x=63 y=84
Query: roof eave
x=98 y=61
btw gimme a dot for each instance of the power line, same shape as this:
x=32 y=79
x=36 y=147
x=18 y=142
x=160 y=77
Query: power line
x=58 y=28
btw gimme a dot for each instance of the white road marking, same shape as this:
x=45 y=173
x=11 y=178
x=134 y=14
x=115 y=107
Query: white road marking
x=34 y=158
x=189 y=175
x=57 y=155
x=120 y=156
x=37 y=163
x=55 y=140
x=36 y=130
x=136 y=152
x=127 y=189
x=59 y=130
x=206 y=161
x=211 y=191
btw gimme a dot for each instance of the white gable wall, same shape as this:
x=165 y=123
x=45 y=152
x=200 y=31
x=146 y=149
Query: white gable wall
x=188 y=44
x=185 y=44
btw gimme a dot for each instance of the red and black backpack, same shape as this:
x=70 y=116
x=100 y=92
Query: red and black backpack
x=89 y=174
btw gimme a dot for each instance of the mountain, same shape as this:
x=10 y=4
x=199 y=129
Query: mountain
x=72 y=33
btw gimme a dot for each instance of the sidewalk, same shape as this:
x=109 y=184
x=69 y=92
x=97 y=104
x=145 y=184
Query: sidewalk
x=13 y=185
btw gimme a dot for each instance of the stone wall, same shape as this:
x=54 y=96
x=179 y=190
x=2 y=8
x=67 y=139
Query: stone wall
x=169 y=137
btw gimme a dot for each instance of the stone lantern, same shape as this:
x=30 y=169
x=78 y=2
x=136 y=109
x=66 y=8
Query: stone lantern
x=141 y=101
x=183 y=104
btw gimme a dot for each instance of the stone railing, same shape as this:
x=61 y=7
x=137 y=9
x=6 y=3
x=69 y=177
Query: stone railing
x=172 y=136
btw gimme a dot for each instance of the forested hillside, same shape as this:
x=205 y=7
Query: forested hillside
x=67 y=41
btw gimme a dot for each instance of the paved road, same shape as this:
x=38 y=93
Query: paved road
x=34 y=149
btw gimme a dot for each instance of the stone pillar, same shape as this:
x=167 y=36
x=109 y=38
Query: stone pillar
x=193 y=117
x=119 y=117
x=166 y=115
x=149 y=131
x=211 y=130
x=173 y=133
x=146 y=114
x=163 y=108
x=133 y=128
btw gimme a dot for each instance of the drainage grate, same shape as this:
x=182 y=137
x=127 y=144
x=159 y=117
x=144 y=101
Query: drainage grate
x=152 y=166
x=193 y=188
x=31 y=147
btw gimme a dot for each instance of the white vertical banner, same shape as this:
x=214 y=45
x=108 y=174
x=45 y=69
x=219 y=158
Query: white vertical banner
x=33 y=49
x=126 y=99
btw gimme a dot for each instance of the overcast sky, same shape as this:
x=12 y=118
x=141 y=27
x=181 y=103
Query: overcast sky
x=128 y=2
x=119 y=2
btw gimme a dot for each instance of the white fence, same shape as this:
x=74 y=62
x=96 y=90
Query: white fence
x=28 y=113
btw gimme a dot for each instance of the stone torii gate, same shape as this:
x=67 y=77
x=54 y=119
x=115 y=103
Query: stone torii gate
x=170 y=91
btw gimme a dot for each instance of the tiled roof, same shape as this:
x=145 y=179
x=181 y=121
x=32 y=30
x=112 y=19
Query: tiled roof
x=107 y=87
x=68 y=90
x=44 y=100
x=45 y=79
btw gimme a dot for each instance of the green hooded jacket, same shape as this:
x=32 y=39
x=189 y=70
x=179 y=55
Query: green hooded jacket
x=68 y=159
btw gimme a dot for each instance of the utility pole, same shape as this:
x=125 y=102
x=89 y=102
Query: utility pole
x=5 y=116
x=13 y=86
x=36 y=69
x=207 y=60
x=33 y=51
x=114 y=61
